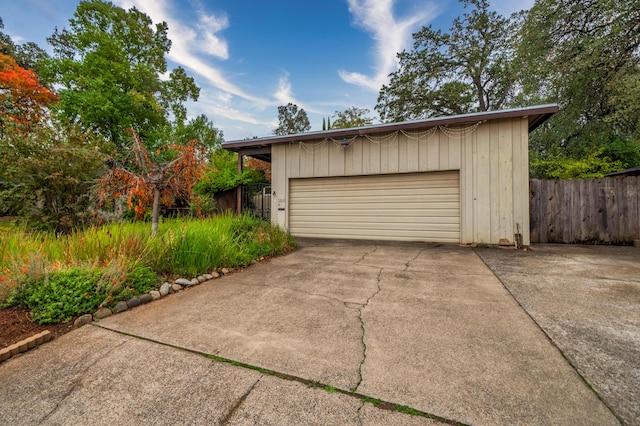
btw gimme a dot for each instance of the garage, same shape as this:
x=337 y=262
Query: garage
x=409 y=206
x=458 y=179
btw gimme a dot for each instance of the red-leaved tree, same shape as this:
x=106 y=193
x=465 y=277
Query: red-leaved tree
x=153 y=182
x=23 y=100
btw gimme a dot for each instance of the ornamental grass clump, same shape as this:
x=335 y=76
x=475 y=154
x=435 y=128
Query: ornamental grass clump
x=60 y=277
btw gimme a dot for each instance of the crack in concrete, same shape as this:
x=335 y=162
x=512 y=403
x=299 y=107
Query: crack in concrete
x=324 y=296
x=365 y=255
x=378 y=403
x=364 y=345
x=406 y=267
x=359 y=414
x=76 y=382
x=227 y=417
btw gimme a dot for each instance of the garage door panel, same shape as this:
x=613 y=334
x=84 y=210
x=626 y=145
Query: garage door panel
x=378 y=192
x=376 y=217
x=398 y=208
x=414 y=206
x=447 y=184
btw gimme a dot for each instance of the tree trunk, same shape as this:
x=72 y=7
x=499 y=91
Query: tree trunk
x=155 y=212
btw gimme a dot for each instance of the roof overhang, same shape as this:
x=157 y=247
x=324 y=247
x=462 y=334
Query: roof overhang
x=261 y=147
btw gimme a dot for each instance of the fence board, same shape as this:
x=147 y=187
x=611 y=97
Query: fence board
x=601 y=211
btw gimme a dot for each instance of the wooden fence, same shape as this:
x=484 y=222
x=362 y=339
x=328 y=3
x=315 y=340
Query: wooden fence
x=596 y=211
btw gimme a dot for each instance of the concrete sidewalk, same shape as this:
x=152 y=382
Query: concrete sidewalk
x=425 y=326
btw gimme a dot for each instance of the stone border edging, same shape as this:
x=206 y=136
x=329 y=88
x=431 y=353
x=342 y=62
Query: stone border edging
x=164 y=290
x=24 y=345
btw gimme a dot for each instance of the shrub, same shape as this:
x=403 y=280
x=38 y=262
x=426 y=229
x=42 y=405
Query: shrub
x=67 y=293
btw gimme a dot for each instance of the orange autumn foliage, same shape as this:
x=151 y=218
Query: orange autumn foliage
x=23 y=100
x=172 y=179
x=255 y=164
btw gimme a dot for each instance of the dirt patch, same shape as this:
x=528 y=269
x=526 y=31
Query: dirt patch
x=15 y=325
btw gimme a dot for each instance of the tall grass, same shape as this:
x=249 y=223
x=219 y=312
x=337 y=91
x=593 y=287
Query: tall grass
x=181 y=247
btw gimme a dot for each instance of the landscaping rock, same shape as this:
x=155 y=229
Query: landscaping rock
x=155 y=295
x=120 y=306
x=224 y=271
x=183 y=282
x=201 y=279
x=82 y=320
x=165 y=289
x=215 y=274
x=195 y=281
x=208 y=276
x=102 y=313
x=132 y=303
x=145 y=298
x=176 y=287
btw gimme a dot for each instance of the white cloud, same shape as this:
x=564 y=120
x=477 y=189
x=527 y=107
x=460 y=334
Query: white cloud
x=209 y=25
x=283 y=94
x=391 y=35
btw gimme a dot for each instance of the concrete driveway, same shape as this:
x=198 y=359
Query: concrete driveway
x=587 y=300
x=334 y=333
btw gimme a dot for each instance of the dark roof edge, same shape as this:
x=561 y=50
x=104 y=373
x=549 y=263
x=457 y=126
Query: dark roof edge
x=538 y=115
x=633 y=170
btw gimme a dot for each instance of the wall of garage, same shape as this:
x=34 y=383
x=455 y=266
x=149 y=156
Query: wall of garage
x=491 y=157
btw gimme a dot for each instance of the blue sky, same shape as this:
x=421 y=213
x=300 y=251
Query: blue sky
x=250 y=56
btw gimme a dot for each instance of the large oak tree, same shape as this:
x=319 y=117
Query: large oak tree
x=585 y=55
x=470 y=68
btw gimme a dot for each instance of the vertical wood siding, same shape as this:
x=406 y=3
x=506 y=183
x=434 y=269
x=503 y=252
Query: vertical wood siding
x=492 y=161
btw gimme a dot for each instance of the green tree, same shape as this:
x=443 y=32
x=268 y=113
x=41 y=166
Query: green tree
x=468 y=69
x=351 y=117
x=292 y=120
x=109 y=66
x=200 y=129
x=48 y=174
x=585 y=56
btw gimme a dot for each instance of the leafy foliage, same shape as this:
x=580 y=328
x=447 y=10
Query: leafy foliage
x=351 y=117
x=584 y=55
x=61 y=277
x=222 y=174
x=595 y=165
x=470 y=68
x=48 y=175
x=153 y=181
x=109 y=64
x=72 y=292
x=199 y=129
x=292 y=120
x=24 y=100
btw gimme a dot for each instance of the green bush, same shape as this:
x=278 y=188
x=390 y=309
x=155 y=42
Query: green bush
x=76 y=291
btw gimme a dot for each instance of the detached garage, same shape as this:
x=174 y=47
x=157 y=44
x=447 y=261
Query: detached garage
x=459 y=179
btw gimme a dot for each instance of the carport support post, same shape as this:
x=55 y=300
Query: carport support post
x=239 y=189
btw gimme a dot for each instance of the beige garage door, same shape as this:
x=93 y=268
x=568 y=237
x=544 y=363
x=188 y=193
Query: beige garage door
x=411 y=207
